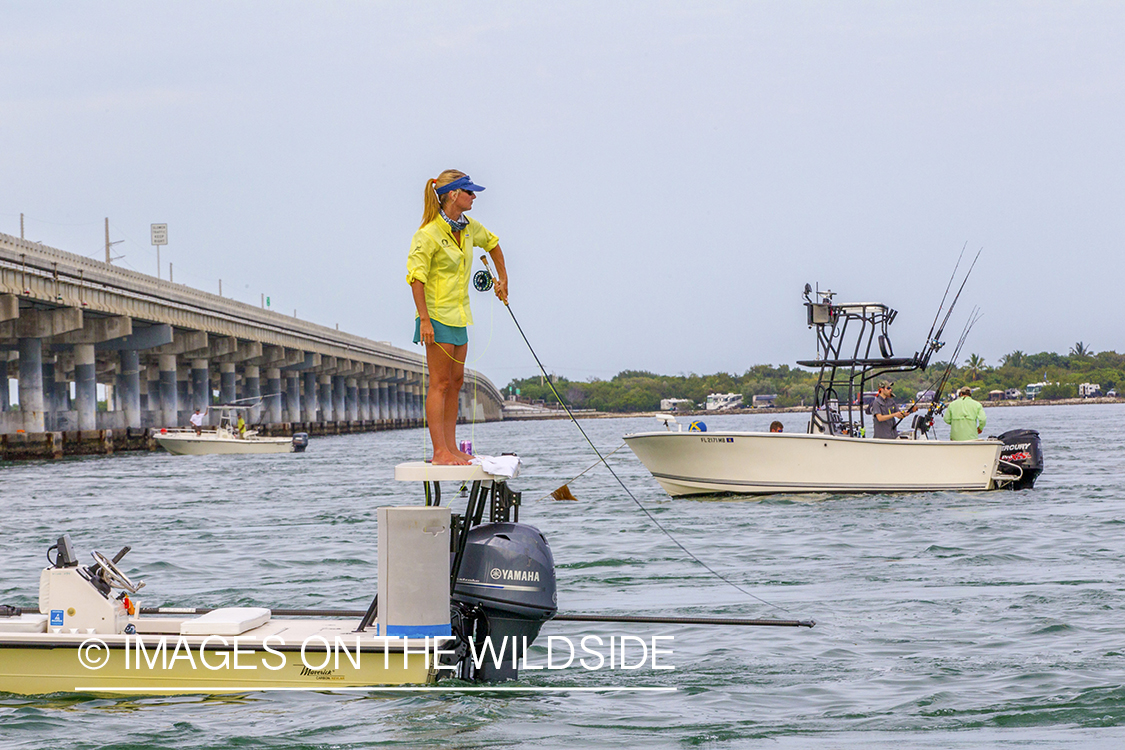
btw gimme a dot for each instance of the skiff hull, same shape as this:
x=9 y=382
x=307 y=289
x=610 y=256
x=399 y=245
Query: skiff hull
x=41 y=663
x=697 y=463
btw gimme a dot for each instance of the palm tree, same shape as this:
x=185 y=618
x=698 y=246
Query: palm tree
x=1015 y=359
x=975 y=365
x=1080 y=350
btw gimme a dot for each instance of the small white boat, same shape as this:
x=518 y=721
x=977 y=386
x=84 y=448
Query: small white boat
x=450 y=586
x=691 y=463
x=833 y=455
x=225 y=438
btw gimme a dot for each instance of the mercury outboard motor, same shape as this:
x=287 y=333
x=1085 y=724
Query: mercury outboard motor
x=506 y=583
x=300 y=441
x=1021 y=456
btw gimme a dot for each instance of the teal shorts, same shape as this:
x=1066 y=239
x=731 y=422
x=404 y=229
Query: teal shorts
x=443 y=334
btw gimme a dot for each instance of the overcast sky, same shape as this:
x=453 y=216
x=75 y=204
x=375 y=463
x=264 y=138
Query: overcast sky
x=664 y=177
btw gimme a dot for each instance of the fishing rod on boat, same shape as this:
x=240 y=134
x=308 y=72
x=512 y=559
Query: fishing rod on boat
x=569 y=413
x=935 y=343
x=948 y=286
x=640 y=619
x=936 y=405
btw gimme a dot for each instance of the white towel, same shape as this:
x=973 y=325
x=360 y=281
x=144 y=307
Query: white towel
x=501 y=466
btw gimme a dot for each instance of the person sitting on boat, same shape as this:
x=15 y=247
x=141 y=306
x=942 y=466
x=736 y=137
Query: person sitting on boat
x=197 y=421
x=240 y=428
x=965 y=416
x=776 y=426
x=438 y=269
x=885 y=414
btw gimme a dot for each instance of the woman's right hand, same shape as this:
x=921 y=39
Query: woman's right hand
x=426 y=331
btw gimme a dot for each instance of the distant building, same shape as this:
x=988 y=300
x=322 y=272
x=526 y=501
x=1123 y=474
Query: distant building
x=1089 y=390
x=721 y=401
x=676 y=404
x=995 y=395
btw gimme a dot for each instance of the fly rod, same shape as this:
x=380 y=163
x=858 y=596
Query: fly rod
x=642 y=619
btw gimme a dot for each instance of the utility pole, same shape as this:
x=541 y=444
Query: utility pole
x=109 y=244
x=21 y=225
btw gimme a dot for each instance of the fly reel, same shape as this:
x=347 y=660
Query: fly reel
x=482 y=281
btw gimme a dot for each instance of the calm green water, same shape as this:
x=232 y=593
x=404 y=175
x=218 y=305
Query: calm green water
x=948 y=620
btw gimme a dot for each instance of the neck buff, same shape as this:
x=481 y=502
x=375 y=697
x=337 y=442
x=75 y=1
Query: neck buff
x=457 y=225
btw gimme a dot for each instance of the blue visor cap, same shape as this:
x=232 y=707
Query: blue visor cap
x=461 y=183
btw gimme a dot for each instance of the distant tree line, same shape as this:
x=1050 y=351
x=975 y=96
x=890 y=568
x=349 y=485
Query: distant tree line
x=638 y=390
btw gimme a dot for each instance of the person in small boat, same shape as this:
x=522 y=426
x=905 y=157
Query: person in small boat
x=965 y=416
x=240 y=427
x=776 y=426
x=197 y=421
x=438 y=269
x=885 y=413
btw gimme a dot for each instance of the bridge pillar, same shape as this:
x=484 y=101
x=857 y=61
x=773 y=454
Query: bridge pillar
x=252 y=388
x=85 y=386
x=169 y=407
x=227 y=383
x=363 y=399
x=62 y=388
x=31 y=384
x=351 y=400
x=48 y=368
x=5 y=386
x=273 y=398
x=392 y=401
x=292 y=396
x=200 y=384
x=326 y=404
x=153 y=377
x=183 y=392
x=378 y=400
x=340 y=398
x=402 y=414
x=309 y=402
x=129 y=386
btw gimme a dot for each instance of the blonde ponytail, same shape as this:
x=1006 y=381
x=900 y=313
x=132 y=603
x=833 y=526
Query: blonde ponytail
x=431 y=205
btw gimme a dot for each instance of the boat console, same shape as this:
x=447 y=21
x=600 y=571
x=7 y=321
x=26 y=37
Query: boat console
x=80 y=599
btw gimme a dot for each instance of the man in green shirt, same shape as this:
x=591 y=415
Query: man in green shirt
x=965 y=416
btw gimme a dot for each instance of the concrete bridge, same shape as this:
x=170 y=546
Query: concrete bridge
x=69 y=323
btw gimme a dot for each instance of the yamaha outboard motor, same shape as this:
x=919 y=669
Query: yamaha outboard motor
x=506 y=588
x=1021 y=456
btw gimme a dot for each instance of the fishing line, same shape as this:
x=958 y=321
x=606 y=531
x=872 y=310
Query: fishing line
x=602 y=458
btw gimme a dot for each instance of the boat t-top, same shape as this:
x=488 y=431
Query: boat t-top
x=226 y=438
x=834 y=455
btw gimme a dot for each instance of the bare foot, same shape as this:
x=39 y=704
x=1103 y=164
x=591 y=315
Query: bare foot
x=449 y=458
x=464 y=455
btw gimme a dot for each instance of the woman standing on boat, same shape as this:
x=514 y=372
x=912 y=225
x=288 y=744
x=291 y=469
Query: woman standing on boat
x=438 y=270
